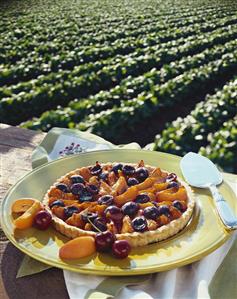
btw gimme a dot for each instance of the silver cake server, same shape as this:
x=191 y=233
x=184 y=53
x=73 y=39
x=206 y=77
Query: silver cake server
x=200 y=172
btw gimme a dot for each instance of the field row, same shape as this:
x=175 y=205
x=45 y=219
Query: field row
x=80 y=83
x=193 y=132
x=43 y=57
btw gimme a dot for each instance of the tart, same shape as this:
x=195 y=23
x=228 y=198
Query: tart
x=136 y=202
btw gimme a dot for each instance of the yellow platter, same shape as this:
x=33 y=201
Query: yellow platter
x=203 y=234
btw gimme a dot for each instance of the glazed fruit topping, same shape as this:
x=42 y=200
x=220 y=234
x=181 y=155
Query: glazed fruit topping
x=103 y=175
x=93 y=189
x=130 y=208
x=139 y=224
x=42 y=220
x=99 y=224
x=86 y=196
x=121 y=249
x=89 y=216
x=142 y=198
x=62 y=187
x=104 y=241
x=114 y=213
x=117 y=167
x=141 y=173
x=77 y=179
x=106 y=200
x=180 y=206
x=173 y=184
x=57 y=203
x=68 y=211
x=132 y=181
x=96 y=170
x=171 y=177
x=77 y=188
x=128 y=170
x=151 y=213
x=164 y=210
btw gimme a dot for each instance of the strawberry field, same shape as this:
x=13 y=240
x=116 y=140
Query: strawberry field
x=162 y=73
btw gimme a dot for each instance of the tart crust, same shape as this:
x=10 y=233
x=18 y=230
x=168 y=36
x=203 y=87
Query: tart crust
x=135 y=238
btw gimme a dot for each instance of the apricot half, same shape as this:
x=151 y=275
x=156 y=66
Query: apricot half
x=129 y=195
x=22 y=205
x=171 y=194
x=26 y=220
x=78 y=248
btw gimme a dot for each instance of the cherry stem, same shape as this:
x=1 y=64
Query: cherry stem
x=94 y=225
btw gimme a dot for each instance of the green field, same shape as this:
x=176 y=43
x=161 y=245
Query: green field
x=162 y=73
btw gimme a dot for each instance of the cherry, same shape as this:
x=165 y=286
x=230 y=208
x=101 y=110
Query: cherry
x=77 y=179
x=114 y=213
x=42 y=220
x=130 y=208
x=128 y=169
x=104 y=241
x=106 y=200
x=151 y=212
x=62 y=187
x=96 y=170
x=121 y=249
x=132 y=181
x=117 y=167
x=141 y=173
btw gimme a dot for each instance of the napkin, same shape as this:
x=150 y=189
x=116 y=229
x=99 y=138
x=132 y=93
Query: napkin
x=191 y=281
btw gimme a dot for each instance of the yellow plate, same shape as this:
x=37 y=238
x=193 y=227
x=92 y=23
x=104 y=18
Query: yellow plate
x=201 y=236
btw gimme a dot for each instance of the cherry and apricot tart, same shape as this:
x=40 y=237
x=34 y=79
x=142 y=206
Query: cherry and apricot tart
x=136 y=203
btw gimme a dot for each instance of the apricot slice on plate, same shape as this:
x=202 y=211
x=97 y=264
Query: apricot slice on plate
x=22 y=205
x=26 y=220
x=129 y=195
x=78 y=248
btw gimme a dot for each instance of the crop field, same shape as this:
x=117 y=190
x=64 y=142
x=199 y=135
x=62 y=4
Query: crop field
x=162 y=73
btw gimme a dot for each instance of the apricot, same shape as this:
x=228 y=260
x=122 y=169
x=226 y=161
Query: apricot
x=171 y=194
x=112 y=227
x=70 y=202
x=175 y=213
x=112 y=178
x=145 y=205
x=76 y=220
x=105 y=188
x=127 y=225
x=120 y=186
x=69 y=196
x=156 y=172
x=58 y=211
x=146 y=184
x=98 y=208
x=54 y=192
x=129 y=195
x=161 y=186
x=85 y=173
x=88 y=226
x=26 y=220
x=22 y=205
x=163 y=220
x=164 y=203
x=152 y=225
x=78 y=248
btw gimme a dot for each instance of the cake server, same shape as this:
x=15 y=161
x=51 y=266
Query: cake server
x=200 y=172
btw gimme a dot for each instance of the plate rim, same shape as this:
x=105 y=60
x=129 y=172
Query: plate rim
x=119 y=272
